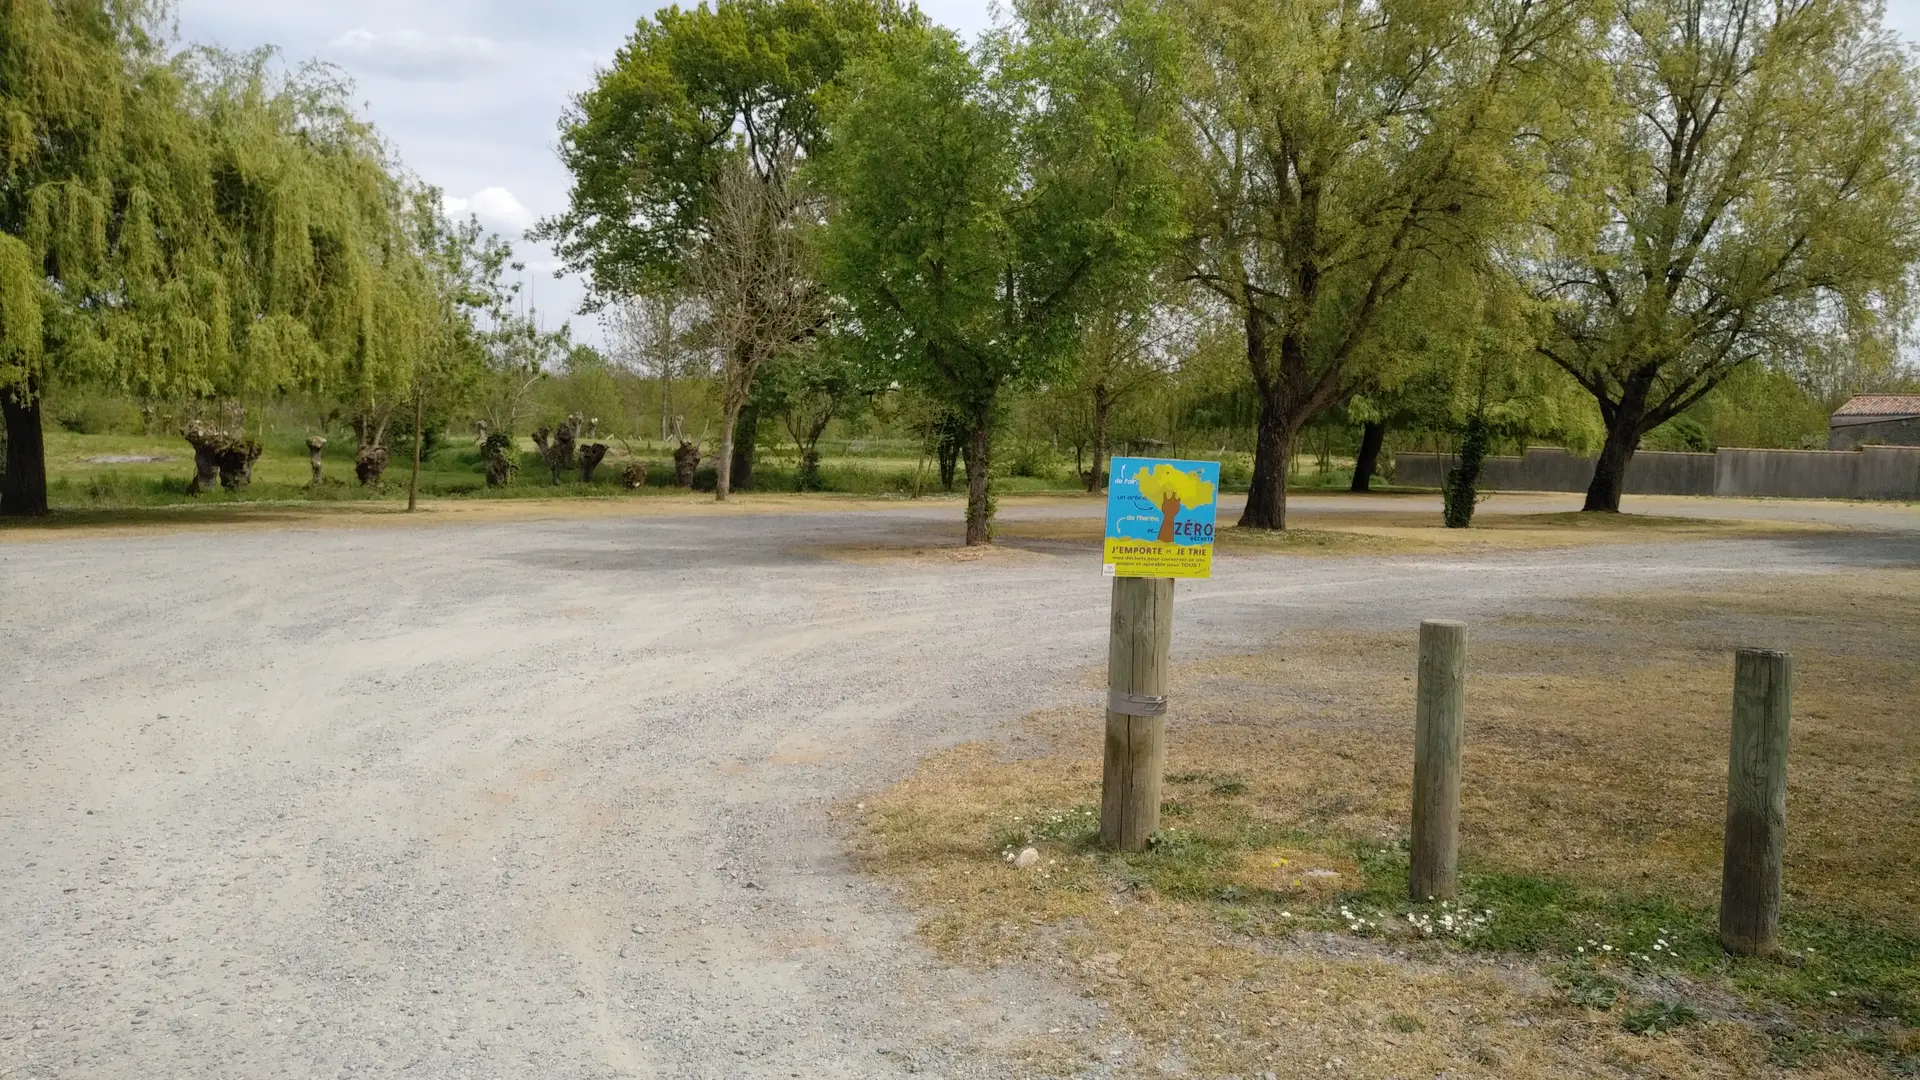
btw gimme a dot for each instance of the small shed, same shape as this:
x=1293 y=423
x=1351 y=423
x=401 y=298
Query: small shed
x=1884 y=419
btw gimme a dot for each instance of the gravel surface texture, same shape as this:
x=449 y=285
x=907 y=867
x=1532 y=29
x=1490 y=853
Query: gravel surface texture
x=553 y=798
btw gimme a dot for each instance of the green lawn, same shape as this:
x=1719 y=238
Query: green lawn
x=93 y=472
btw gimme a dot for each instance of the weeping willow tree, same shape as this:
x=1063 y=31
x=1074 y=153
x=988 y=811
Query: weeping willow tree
x=199 y=227
x=68 y=72
x=325 y=288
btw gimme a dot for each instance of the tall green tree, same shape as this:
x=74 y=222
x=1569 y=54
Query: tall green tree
x=75 y=76
x=1760 y=202
x=683 y=156
x=690 y=92
x=1130 y=341
x=981 y=197
x=1337 y=152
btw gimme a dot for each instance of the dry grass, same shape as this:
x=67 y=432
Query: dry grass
x=1334 y=533
x=1595 y=787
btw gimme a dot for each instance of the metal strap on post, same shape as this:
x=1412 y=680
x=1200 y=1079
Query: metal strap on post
x=1136 y=704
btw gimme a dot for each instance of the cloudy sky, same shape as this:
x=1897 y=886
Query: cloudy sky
x=470 y=90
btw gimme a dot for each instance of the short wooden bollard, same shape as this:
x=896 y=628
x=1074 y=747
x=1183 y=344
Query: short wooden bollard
x=1756 y=801
x=1136 y=750
x=1438 y=715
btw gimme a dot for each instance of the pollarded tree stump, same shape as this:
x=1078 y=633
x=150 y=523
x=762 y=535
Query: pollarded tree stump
x=206 y=469
x=590 y=457
x=496 y=455
x=236 y=465
x=686 y=462
x=369 y=463
x=222 y=457
x=315 y=445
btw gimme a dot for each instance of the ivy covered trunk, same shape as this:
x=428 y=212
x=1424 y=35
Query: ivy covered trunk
x=1463 y=480
x=496 y=454
x=978 y=454
x=23 y=487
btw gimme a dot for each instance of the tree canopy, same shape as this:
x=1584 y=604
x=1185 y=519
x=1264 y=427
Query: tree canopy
x=691 y=89
x=1752 y=193
x=193 y=226
x=1339 y=153
x=981 y=196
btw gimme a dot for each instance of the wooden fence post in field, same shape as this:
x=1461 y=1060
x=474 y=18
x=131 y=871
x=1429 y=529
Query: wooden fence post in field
x=1136 y=751
x=1756 y=801
x=1438 y=715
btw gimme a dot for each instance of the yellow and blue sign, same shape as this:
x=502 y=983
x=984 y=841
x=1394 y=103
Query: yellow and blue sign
x=1160 y=517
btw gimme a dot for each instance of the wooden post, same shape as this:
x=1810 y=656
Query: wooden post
x=1437 y=719
x=1756 y=801
x=1136 y=753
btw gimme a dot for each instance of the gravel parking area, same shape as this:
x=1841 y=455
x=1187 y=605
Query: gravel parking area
x=554 y=798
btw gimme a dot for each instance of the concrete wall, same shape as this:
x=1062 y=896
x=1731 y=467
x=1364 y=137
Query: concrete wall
x=1847 y=432
x=1888 y=472
x=1792 y=474
x=1548 y=468
x=1873 y=472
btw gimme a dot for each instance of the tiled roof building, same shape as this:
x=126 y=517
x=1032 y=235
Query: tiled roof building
x=1888 y=419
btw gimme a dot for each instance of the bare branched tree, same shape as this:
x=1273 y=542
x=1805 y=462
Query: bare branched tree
x=651 y=336
x=755 y=273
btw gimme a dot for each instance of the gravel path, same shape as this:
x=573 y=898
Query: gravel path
x=551 y=798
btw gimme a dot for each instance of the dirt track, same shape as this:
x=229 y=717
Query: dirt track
x=552 y=798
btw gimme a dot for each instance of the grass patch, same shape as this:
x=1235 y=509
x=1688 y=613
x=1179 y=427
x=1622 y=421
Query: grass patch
x=1659 y=1017
x=1267 y=928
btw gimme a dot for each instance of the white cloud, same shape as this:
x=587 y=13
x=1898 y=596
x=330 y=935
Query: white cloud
x=496 y=208
x=416 y=56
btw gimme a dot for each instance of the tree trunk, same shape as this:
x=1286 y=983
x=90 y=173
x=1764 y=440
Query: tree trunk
x=686 y=462
x=316 y=460
x=1272 y=454
x=591 y=455
x=746 y=440
x=1461 y=491
x=1102 y=406
x=948 y=452
x=666 y=407
x=413 y=481
x=206 y=468
x=370 y=464
x=1610 y=472
x=723 y=461
x=979 y=449
x=1372 y=437
x=23 y=487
